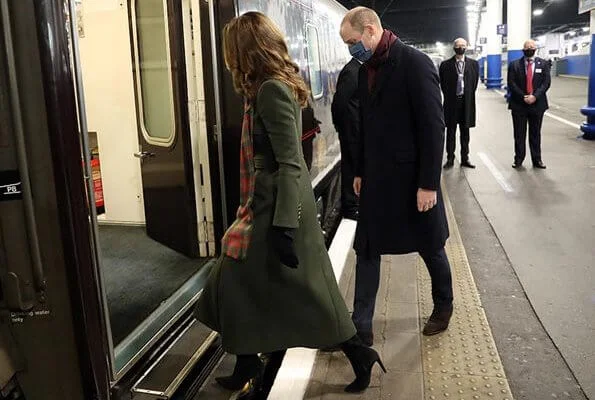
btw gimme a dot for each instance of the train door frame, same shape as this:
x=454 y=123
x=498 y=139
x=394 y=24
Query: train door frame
x=122 y=358
x=195 y=77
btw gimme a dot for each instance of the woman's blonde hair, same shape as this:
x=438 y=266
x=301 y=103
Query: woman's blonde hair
x=255 y=51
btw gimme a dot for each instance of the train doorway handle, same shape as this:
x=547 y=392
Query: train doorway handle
x=144 y=154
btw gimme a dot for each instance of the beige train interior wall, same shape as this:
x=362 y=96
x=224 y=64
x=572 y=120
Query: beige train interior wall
x=104 y=41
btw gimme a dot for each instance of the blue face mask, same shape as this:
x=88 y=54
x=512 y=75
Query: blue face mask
x=359 y=52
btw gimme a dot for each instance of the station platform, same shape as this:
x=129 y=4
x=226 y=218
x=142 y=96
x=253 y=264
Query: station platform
x=461 y=361
x=522 y=253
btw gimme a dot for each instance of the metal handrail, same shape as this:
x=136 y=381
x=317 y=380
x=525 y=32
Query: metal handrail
x=37 y=268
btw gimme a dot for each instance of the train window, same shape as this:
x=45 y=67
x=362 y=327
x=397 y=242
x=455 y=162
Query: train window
x=314 y=68
x=153 y=72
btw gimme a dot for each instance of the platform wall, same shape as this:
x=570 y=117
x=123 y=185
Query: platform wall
x=574 y=65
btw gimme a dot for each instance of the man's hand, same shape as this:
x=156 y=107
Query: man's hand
x=530 y=99
x=426 y=199
x=357 y=185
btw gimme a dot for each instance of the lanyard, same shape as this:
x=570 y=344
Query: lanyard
x=460 y=67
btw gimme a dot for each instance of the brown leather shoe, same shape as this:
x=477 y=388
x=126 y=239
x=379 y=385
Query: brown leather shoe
x=438 y=321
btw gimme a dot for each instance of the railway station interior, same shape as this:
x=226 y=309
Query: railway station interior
x=120 y=135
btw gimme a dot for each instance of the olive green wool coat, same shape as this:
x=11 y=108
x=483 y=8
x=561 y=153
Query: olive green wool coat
x=259 y=305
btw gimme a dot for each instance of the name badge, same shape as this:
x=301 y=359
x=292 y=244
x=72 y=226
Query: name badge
x=538 y=70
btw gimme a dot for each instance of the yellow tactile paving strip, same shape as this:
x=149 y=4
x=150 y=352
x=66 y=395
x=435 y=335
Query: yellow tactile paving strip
x=462 y=363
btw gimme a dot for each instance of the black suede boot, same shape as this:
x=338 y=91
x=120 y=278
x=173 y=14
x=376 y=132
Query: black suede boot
x=259 y=387
x=362 y=359
x=246 y=368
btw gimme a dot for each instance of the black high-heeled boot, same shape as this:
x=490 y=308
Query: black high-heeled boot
x=260 y=386
x=362 y=359
x=247 y=367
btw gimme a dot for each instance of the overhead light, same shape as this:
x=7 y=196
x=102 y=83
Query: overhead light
x=438 y=44
x=538 y=11
x=586 y=29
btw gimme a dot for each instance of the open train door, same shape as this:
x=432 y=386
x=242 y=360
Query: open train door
x=165 y=144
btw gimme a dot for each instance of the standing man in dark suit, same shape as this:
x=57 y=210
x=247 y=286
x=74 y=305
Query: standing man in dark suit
x=459 y=77
x=398 y=166
x=345 y=110
x=528 y=81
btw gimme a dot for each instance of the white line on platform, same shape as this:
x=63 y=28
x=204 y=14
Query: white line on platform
x=549 y=114
x=495 y=172
x=294 y=375
x=564 y=121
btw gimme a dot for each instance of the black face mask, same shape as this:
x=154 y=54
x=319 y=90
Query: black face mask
x=529 y=53
x=460 y=50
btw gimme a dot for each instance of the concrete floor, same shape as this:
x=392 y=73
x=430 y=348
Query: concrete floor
x=567 y=96
x=545 y=220
x=534 y=366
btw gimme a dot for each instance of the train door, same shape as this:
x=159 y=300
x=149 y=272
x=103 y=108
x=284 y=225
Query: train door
x=164 y=127
x=142 y=100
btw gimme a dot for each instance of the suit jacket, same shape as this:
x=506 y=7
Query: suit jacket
x=517 y=83
x=448 y=82
x=345 y=108
x=402 y=141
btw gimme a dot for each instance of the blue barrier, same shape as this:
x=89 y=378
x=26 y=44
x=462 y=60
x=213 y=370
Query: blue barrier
x=494 y=71
x=575 y=65
x=514 y=55
x=588 y=127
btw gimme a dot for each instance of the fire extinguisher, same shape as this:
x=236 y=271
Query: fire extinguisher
x=97 y=185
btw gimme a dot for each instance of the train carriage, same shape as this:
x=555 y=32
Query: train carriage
x=119 y=129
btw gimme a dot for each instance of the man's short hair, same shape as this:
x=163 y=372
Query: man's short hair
x=359 y=17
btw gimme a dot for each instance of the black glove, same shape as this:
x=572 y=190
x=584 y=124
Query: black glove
x=283 y=243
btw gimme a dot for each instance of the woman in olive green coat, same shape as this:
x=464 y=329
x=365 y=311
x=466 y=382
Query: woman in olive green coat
x=274 y=287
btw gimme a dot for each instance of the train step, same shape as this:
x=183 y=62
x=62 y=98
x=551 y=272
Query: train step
x=168 y=372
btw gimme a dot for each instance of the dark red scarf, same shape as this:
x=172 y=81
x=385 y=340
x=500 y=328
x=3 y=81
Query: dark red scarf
x=380 y=56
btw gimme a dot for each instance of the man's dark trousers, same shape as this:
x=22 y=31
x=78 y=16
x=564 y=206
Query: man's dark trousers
x=367 y=281
x=520 y=120
x=451 y=133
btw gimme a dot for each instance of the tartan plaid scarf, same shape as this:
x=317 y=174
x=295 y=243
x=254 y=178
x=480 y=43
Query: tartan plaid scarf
x=236 y=240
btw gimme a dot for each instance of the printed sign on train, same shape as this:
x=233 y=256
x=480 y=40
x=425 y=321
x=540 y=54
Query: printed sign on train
x=10 y=185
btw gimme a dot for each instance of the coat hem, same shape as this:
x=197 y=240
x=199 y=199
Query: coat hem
x=269 y=348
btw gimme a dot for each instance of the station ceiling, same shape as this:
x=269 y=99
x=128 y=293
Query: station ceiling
x=429 y=21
